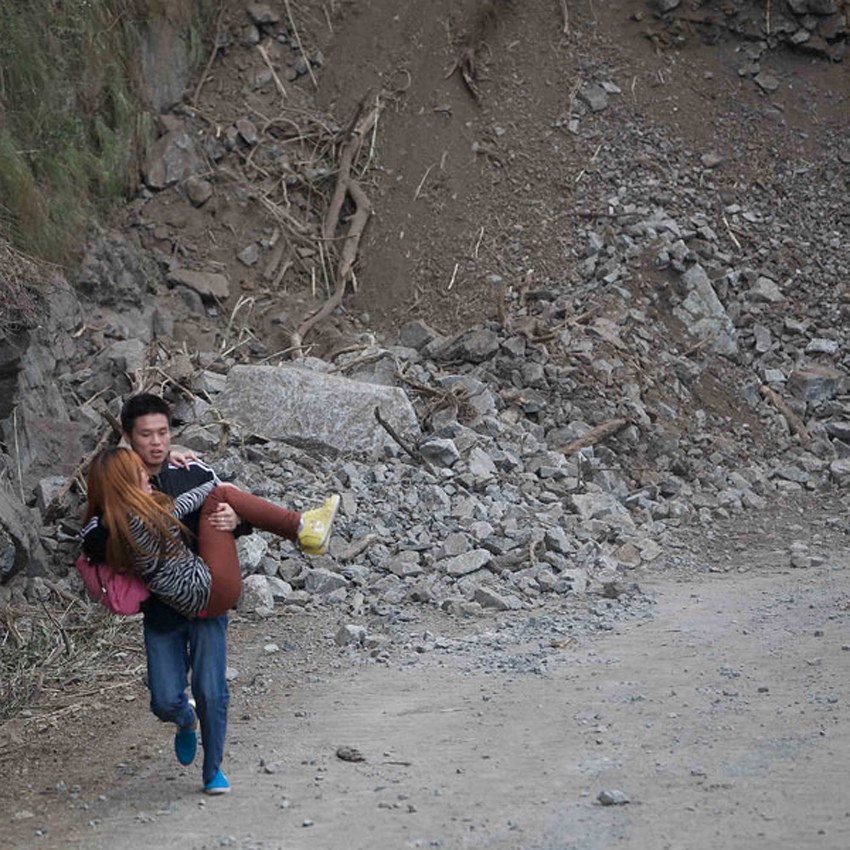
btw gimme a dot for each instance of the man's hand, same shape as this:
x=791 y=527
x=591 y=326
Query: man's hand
x=224 y=518
x=182 y=458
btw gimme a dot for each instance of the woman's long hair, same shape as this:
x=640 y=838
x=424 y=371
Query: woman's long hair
x=115 y=494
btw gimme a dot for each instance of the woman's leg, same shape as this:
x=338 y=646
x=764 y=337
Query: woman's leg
x=265 y=515
x=218 y=548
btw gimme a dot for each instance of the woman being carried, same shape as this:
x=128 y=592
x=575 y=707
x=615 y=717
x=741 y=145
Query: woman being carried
x=145 y=535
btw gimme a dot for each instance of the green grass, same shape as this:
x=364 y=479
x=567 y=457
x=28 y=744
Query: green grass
x=72 y=125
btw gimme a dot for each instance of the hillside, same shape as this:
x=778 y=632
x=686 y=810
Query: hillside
x=589 y=262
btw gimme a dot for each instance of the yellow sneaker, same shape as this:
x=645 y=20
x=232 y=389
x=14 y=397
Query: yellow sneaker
x=316 y=527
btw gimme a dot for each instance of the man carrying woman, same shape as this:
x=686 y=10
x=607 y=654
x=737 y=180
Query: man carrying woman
x=171 y=525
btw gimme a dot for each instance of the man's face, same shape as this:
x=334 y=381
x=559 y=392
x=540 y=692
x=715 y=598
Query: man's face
x=151 y=440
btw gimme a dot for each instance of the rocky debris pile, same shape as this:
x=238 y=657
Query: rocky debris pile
x=815 y=27
x=669 y=376
x=687 y=361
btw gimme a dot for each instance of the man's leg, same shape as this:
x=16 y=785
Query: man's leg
x=168 y=663
x=208 y=659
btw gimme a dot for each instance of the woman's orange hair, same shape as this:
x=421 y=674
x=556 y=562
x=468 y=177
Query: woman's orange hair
x=115 y=494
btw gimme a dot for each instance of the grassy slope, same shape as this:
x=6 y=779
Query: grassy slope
x=72 y=127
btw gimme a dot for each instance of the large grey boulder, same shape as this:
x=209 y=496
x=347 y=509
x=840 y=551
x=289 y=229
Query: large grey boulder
x=310 y=408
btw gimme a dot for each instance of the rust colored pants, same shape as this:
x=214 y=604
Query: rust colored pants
x=218 y=548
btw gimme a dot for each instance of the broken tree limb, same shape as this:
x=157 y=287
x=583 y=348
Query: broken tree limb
x=346 y=184
x=414 y=453
x=794 y=421
x=349 y=152
x=595 y=435
x=349 y=256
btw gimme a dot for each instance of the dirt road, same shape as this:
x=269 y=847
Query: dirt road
x=723 y=719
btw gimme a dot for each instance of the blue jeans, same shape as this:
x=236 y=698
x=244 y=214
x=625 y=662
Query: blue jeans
x=200 y=646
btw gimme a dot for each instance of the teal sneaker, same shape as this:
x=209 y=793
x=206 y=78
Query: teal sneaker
x=217 y=785
x=186 y=744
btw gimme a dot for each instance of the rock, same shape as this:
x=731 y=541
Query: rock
x=249 y=255
x=165 y=63
x=763 y=339
x=486 y=597
x=262 y=13
x=822 y=7
x=468 y=562
x=594 y=96
x=571 y=581
x=839 y=471
x=839 y=430
x=323 y=581
x=247 y=132
x=614 y=797
x=628 y=555
x=171 y=159
x=766 y=82
x=416 y=334
x=251 y=549
x=310 y=408
x=405 y=564
x=480 y=464
x=256 y=596
x=766 y=290
x=442 y=452
x=209 y=285
x=816 y=383
x=704 y=315
x=19 y=545
x=281 y=590
x=350 y=634
x=198 y=190
x=822 y=346
x=712 y=160
x=125 y=355
x=476 y=346
x=45 y=490
x=602 y=506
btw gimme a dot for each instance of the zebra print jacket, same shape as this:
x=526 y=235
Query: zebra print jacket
x=170 y=569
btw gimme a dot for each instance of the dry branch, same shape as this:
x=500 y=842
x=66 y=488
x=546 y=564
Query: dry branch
x=217 y=45
x=275 y=77
x=346 y=185
x=414 y=453
x=595 y=435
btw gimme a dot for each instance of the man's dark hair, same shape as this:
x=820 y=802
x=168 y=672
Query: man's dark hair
x=142 y=405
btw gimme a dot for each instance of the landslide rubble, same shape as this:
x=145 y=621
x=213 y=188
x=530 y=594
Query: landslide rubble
x=687 y=361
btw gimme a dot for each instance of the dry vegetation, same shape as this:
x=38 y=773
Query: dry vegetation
x=21 y=279
x=58 y=654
